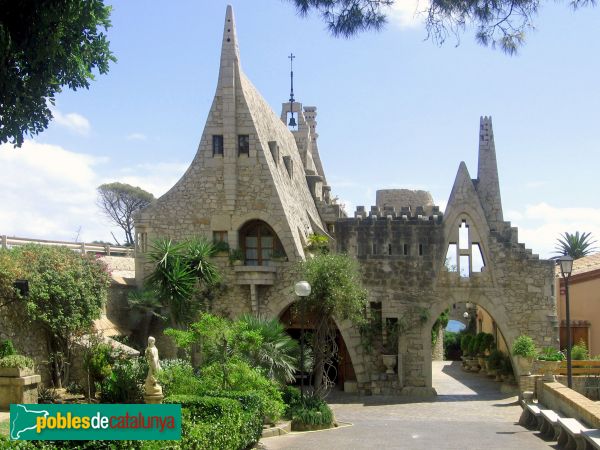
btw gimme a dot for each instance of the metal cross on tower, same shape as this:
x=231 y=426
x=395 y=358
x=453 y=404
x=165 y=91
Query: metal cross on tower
x=292 y=122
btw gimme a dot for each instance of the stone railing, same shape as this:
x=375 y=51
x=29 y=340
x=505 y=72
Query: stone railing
x=82 y=247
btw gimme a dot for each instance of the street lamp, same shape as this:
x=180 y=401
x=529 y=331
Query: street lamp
x=566 y=266
x=302 y=289
x=466 y=315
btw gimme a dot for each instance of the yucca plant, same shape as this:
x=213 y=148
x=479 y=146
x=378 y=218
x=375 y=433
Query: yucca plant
x=575 y=245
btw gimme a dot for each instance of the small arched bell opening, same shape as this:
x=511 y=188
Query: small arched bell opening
x=340 y=370
x=259 y=243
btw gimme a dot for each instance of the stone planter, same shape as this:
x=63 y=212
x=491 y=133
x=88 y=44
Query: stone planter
x=18 y=390
x=15 y=372
x=389 y=361
x=481 y=360
x=547 y=369
x=524 y=364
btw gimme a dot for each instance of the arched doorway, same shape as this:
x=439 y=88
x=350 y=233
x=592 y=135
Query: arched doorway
x=259 y=243
x=482 y=326
x=341 y=370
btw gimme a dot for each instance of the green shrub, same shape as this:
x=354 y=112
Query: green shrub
x=19 y=361
x=98 y=360
x=290 y=395
x=465 y=343
x=506 y=367
x=243 y=378
x=524 y=346
x=7 y=348
x=550 y=354
x=311 y=413
x=495 y=359
x=125 y=383
x=486 y=343
x=218 y=422
x=580 y=352
x=177 y=378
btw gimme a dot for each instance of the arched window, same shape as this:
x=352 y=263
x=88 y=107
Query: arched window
x=259 y=243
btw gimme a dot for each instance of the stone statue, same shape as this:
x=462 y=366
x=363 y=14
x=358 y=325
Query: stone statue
x=152 y=387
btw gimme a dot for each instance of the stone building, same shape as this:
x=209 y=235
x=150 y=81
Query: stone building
x=260 y=186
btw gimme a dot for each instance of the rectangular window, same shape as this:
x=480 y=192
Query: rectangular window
x=219 y=236
x=243 y=145
x=217 y=144
x=420 y=249
x=405 y=249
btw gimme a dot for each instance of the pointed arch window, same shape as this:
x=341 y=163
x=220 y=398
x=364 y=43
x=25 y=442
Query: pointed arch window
x=464 y=254
x=259 y=243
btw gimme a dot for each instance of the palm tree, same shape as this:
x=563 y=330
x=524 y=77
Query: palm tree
x=277 y=353
x=575 y=245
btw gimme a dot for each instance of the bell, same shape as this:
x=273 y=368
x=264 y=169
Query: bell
x=292 y=122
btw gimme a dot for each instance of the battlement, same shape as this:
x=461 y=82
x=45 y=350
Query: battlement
x=406 y=213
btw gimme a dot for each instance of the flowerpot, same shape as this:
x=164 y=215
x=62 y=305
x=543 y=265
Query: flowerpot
x=15 y=372
x=524 y=364
x=547 y=369
x=481 y=361
x=389 y=361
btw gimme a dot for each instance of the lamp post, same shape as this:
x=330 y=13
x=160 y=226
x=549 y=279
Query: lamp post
x=566 y=266
x=302 y=289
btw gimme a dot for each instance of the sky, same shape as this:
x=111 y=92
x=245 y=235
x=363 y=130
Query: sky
x=394 y=111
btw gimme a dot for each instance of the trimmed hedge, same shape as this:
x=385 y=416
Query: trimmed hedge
x=310 y=414
x=227 y=421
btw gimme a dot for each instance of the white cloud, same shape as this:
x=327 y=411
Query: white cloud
x=72 y=121
x=157 y=178
x=408 y=13
x=48 y=192
x=137 y=137
x=541 y=224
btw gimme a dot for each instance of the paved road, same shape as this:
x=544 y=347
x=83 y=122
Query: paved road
x=469 y=413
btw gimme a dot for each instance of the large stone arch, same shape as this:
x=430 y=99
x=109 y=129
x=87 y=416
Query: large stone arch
x=490 y=301
x=348 y=331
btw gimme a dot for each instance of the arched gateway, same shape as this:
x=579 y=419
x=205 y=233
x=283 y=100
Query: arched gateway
x=261 y=187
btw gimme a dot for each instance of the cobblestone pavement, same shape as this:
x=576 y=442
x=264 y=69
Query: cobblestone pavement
x=470 y=413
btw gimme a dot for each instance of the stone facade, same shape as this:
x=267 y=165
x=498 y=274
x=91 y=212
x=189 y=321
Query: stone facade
x=415 y=260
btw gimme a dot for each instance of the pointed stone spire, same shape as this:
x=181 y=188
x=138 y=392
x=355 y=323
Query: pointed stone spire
x=488 y=185
x=230 y=52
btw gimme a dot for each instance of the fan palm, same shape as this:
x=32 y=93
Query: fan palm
x=277 y=353
x=575 y=245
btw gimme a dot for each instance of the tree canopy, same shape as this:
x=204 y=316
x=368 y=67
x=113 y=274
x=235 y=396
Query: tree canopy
x=336 y=292
x=119 y=201
x=501 y=23
x=66 y=293
x=46 y=45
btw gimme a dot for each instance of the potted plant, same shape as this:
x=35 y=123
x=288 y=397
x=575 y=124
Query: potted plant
x=236 y=257
x=548 y=361
x=221 y=248
x=524 y=351
x=494 y=362
x=465 y=341
x=390 y=346
x=16 y=366
x=485 y=345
